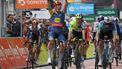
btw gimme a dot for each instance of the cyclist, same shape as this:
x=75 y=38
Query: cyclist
x=118 y=41
x=56 y=31
x=105 y=28
x=95 y=25
x=32 y=37
x=77 y=30
x=94 y=30
x=120 y=25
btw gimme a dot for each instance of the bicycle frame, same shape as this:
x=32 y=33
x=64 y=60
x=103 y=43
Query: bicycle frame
x=31 y=56
x=54 y=62
x=78 y=53
x=106 y=54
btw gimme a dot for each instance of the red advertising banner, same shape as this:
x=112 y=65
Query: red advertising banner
x=12 y=53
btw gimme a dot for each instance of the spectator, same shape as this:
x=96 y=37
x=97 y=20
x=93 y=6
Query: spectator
x=9 y=25
x=25 y=27
x=16 y=28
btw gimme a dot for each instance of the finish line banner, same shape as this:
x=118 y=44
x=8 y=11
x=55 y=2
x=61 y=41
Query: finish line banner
x=84 y=9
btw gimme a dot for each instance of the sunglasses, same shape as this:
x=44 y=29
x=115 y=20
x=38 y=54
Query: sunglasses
x=34 y=21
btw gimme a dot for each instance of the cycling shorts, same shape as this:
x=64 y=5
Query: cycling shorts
x=56 y=33
x=77 y=34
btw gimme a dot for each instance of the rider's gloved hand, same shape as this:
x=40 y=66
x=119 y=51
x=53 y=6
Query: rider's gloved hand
x=84 y=41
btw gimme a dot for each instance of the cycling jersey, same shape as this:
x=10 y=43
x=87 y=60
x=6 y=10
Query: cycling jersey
x=33 y=33
x=106 y=31
x=100 y=25
x=95 y=26
x=57 y=20
x=75 y=26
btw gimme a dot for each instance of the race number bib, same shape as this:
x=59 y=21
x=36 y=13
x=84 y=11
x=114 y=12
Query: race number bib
x=57 y=20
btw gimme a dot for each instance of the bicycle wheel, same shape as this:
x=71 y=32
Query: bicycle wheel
x=117 y=58
x=77 y=58
x=64 y=65
x=54 y=57
x=69 y=63
x=110 y=65
x=104 y=64
x=96 y=60
x=54 y=60
x=65 y=60
x=32 y=61
x=104 y=58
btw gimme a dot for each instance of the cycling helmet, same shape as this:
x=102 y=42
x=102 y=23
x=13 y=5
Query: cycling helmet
x=106 y=19
x=100 y=18
x=116 y=19
x=57 y=3
x=78 y=15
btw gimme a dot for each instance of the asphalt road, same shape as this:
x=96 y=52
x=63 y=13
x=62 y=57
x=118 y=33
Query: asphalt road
x=89 y=64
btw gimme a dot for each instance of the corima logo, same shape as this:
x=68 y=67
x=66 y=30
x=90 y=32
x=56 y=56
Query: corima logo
x=30 y=2
x=22 y=2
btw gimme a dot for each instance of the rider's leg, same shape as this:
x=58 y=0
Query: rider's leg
x=100 y=51
x=70 y=37
x=30 y=48
x=62 y=48
x=121 y=47
x=50 y=50
x=82 y=51
x=38 y=48
x=86 y=48
x=50 y=46
x=37 y=52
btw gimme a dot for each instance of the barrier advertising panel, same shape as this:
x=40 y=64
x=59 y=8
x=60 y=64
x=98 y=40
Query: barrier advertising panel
x=85 y=9
x=107 y=12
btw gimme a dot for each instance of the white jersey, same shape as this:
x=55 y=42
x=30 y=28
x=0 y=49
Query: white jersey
x=95 y=26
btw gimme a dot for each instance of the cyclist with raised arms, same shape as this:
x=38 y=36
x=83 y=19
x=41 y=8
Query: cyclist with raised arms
x=57 y=21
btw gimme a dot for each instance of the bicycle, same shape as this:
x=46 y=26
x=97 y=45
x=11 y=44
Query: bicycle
x=116 y=53
x=66 y=60
x=55 y=54
x=96 y=59
x=31 y=55
x=107 y=56
x=78 y=53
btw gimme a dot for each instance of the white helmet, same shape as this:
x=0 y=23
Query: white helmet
x=106 y=19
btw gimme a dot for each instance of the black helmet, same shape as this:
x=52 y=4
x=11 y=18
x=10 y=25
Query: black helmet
x=100 y=18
